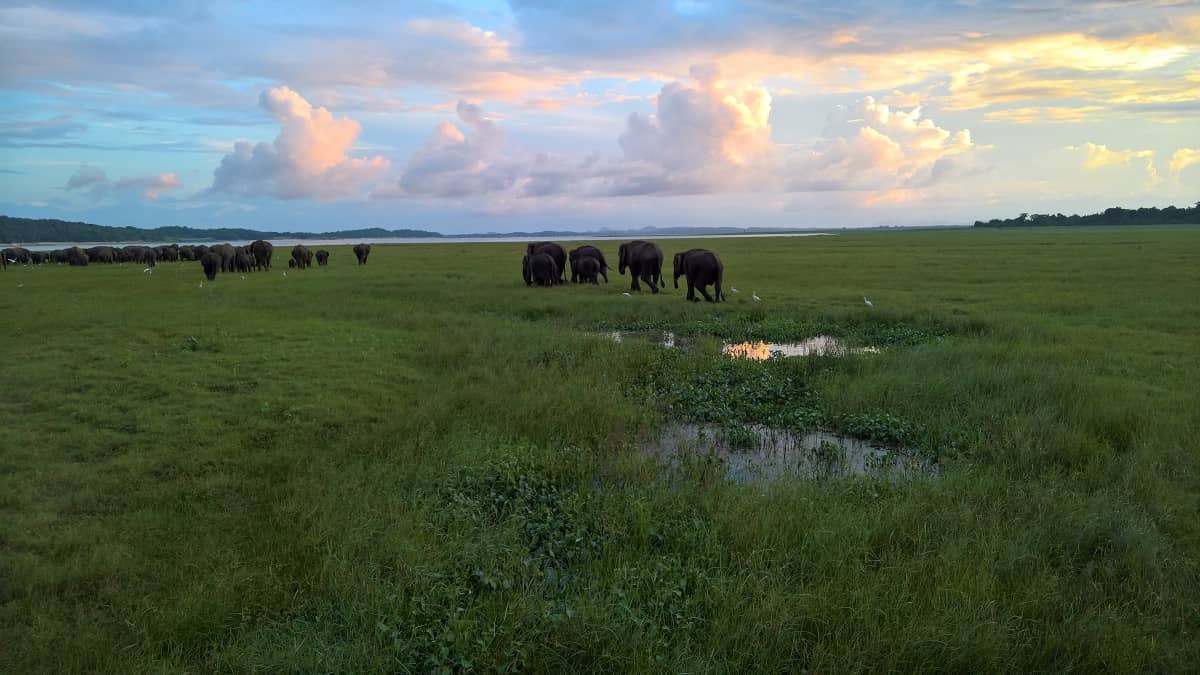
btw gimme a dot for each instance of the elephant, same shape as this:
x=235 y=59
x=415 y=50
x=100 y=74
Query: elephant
x=702 y=268
x=587 y=269
x=540 y=269
x=644 y=260
x=149 y=257
x=211 y=262
x=262 y=251
x=101 y=254
x=16 y=254
x=59 y=256
x=199 y=251
x=322 y=257
x=554 y=251
x=227 y=253
x=168 y=253
x=187 y=253
x=76 y=257
x=244 y=262
x=291 y=263
x=361 y=251
x=588 y=252
x=302 y=255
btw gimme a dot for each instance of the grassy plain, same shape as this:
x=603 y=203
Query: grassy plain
x=421 y=464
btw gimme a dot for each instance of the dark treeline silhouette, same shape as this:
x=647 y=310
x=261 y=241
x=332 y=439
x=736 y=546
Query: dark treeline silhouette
x=51 y=230
x=1171 y=215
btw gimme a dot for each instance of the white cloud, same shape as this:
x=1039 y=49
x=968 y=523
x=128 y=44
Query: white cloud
x=1097 y=156
x=872 y=146
x=705 y=136
x=307 y=159
x=1183 y=158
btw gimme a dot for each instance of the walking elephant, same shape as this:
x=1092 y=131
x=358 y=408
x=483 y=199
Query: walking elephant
x=539 y=269
x=588 y=252
x=361 y=251
x=644 y=260
x=262 y=251
x=586 y=270
x=702 y=268
x=211 y=262
x=302 y=255
x=322 y=258
x=553 y=250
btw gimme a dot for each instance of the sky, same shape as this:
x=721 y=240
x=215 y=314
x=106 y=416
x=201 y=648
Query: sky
x=465 y=116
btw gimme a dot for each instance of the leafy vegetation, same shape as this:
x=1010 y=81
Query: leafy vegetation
x=422 y=465
x=1147 y=215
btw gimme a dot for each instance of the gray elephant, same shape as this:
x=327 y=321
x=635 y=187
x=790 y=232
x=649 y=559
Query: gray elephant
x=702 y=268
x=76 y=257
x=262 y=250
x=211 y=262
x=227 y=253
x=588 y=252
x=644 y=260
x=361 y=251
x=243 y=262
x=587 y=270
x=302 y=255
x=540 y=269
x=322 y=258
x=554 y=251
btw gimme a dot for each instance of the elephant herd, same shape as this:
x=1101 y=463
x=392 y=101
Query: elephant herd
x=545 y=264
x=255 y=256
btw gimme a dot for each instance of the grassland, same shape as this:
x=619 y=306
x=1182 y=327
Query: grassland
x=422 y=465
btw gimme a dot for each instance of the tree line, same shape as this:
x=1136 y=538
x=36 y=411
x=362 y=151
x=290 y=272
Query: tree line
x=51 y=230
x=1171 y=215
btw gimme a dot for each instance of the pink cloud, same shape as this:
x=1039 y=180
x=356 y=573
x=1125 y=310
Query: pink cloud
x=307 y=159
x=151 y=186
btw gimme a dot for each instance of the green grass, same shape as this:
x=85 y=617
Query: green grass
x=423 y=465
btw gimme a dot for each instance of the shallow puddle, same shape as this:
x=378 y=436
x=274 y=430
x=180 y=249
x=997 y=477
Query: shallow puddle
x=657 y=337
x=758 y=454
x=821 y=345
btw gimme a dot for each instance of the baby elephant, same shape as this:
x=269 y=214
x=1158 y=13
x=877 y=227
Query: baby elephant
x=540 y=269
x=322 y=257
x=702 y=268
x=587 y=270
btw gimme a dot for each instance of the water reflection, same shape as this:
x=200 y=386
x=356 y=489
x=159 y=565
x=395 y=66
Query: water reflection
x=759 y=454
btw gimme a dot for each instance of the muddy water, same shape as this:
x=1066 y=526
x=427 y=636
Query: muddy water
x=758 y=454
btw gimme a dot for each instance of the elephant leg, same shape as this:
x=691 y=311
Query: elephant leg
x=691 y=292
x=633 y=285
x=707 y=297
x=649 y=279
x=605 y=275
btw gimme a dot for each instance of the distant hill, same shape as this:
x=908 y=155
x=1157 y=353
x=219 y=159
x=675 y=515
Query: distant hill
x=29 y=230
x=1171 y=215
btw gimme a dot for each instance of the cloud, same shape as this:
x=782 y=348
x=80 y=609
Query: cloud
x=705 y=136
x=454 y=164
x=1183 y=158
x=151 y=186
x=1100 y=156
x=94 y=181
x=14 y=132
x=307 y=159
x=871 y=146
x=87 y=176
